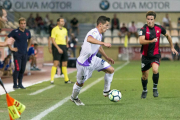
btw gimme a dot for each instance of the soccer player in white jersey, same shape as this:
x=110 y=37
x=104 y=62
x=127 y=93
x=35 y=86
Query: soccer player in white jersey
x=87 y=62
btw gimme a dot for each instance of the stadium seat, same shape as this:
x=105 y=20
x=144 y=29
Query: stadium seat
x=16 y=24
x=165 y=41
x=7 y=26
x=158 y=23
x=128 y=25
x=167 y=31
x=174 y=33
x=3 y=32
x=107 y=33
x=161 y=40
x=107 y=40
x=44 y=40
x=122 y=40
x=139 y=24
x=115 y=32
x=175 y=39
x=39 y=41
x=116 y=40
x=133 y=40
x=174 y=25
x=32 y=32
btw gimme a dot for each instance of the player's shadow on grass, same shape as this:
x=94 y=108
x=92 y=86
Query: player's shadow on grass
x=112 y=103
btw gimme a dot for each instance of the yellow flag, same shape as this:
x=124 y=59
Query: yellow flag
x=19 y=106
x=13 y=112
x=126 y=41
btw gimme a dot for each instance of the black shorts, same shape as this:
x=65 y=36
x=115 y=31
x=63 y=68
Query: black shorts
x=146 y=63
x=58 y=56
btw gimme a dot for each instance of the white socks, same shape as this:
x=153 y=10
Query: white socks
x=76 y=90
x=107 y=81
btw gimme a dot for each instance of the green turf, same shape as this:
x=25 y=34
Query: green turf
x=97 y=107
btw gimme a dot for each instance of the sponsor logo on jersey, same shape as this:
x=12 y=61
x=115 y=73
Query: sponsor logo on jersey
x=140 y=32
x=142 y=65
x=148 y=32
x=157 y=31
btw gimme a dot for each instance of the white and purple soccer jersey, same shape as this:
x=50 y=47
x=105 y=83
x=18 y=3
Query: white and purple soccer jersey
x=89 y=50
x=87 y=62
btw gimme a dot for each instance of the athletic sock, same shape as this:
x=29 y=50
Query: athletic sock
x=144 y=84
x=53 y=72
x=107 y=81
x=75 y=92
x=155 y=80
x=64 y=70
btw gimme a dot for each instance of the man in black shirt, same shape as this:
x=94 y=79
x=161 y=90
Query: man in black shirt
x=149 y=38
x=74 y=27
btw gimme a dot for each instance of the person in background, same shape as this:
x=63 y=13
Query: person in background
x=74 y=26
x=178 y=22
x=72 y=44
x=176 y=47
x=31 y=22
x=167 y=22
x=5 y=66
x=123 y=31
x=32 y=56
x=115 y=24
x=133 y=31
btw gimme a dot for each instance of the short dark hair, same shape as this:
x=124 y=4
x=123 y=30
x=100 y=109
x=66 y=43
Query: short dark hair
x=151 y=13
x=35 y=44
x=59 y=19
x=1 y=11
x=102 y=19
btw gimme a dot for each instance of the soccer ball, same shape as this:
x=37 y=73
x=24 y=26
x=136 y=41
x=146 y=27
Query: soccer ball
x=115 y=95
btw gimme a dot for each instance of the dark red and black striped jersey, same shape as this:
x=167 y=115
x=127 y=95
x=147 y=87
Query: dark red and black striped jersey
x=152 y=49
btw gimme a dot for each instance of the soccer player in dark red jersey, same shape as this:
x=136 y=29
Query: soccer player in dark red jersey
x=150 y=38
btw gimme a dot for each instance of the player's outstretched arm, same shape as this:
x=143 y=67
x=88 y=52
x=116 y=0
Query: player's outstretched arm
x=94 y=41
x=171 y=44
x=8 y=41
x=101 y=50
x=143 y=41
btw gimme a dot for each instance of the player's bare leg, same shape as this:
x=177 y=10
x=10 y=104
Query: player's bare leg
x=144 y=81
x=109 y=72
x=155 y=78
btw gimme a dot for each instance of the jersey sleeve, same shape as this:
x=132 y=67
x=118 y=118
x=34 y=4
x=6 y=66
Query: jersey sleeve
x=29 y=35
x=93 y=34
x=142 y=32
x=66 y=33
x=11 y=34
x=53 y=33
x=163 y=31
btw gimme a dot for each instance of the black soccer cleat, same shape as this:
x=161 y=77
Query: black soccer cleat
x=15 y=87
x=155 y=93
x=68 y=82
x=144 y=94
x=106 y=93
x=21 y=87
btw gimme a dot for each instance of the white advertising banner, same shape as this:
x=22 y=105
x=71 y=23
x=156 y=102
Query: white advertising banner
x=92 y=5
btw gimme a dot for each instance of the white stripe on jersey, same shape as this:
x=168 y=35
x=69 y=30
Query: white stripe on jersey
x=89 y=50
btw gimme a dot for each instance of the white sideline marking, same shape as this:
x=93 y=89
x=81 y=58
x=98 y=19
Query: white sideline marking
x=47 y=111
x=9 y=87
x=42 y=90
